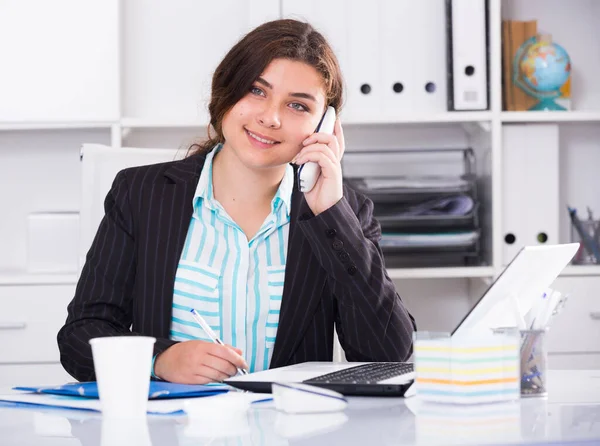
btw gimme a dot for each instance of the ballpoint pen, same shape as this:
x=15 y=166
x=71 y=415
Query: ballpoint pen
x=211 y=334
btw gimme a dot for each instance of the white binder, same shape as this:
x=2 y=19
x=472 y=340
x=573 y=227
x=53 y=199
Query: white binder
x=397 y=54
x=530 y=186
x=363 y=78
x=330 y=18
x=467 y=55
x=428 y=63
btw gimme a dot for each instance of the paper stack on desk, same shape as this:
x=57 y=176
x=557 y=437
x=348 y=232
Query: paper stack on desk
x=41 y=401
x=467 y=370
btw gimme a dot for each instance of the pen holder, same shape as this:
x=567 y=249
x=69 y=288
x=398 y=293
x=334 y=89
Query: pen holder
x=474 y=369
x=534 y=362
x=584 y=256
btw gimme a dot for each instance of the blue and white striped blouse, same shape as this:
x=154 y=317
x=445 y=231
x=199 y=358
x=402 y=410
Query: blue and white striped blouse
x=235 y=284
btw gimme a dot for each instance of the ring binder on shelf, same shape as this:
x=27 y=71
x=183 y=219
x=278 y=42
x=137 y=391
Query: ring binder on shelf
x=467 y=54
x=530 y=196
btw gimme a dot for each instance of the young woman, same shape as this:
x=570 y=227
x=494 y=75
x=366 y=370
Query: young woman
x=227 y=232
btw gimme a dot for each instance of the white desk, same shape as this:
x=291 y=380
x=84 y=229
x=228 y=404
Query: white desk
x=570 y=415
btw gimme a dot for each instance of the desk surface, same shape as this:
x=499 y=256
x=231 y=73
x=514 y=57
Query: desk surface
x=570 y=415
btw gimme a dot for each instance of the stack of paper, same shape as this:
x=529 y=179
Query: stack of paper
x=414 y=182
x=429 y=240
x=36 y=400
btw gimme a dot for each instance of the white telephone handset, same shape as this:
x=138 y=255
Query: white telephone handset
x=308 y=173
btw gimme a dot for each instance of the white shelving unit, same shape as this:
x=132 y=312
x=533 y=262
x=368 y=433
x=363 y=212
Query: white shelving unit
x=571 y=116
x=145 y=82
x=467 y=272
x=21 y=278
x=137 y=116
x=582 y=270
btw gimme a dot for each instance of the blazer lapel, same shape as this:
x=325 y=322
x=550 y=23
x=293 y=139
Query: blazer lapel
x=172 y=227
x=297 y=306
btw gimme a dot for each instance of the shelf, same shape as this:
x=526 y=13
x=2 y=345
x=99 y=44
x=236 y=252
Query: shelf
x=581 y=270
x=423 y=118
x=433 y=118
x=558 y=116
x=441 y=273
x=478 y=272
x=427 y=118
x=23 y=278
x=66 y=125
x=159 y=123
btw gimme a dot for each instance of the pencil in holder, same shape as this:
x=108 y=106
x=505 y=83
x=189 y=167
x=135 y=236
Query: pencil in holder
x=534 y=363
x=585 y=253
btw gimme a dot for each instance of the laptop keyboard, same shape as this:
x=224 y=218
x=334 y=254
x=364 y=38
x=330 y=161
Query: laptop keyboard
x=370 y=373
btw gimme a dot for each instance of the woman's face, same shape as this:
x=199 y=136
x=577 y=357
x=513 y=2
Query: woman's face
x=283 y=107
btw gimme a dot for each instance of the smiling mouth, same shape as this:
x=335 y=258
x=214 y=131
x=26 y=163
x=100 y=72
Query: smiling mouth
x=261 y=139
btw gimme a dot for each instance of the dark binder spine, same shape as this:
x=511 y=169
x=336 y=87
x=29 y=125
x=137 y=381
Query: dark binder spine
x=449 y=59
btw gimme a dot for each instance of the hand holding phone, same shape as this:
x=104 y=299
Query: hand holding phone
x=308 y=173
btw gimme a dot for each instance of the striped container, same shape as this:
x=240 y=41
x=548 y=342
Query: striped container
x=481 y=368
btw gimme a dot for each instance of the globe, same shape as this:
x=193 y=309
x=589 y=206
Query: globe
x=542 y=67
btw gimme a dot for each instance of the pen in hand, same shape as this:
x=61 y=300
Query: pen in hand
x=211 y=334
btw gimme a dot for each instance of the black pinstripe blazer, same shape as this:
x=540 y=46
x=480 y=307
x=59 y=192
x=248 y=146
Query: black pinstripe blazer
x=334 y=274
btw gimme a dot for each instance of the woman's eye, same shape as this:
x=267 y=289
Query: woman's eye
x=256 y=91
x=299 y=107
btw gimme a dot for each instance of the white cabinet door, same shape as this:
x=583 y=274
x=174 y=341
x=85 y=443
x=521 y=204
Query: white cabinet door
x=30 y=317
x=59 y=60
x=569 y=361
x=33 y=375
x=170 y=50
x=577 y=328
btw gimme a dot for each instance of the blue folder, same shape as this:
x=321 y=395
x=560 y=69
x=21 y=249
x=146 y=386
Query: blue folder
x=158 y=390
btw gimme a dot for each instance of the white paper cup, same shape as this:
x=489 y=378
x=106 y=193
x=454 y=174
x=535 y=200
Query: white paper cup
x=122 y=365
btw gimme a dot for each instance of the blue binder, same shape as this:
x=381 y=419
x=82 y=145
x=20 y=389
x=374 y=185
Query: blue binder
x=158 y=390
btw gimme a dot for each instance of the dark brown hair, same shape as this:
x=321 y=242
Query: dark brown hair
x=245 y=62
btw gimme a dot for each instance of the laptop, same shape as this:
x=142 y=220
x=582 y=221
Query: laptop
x=528 y=275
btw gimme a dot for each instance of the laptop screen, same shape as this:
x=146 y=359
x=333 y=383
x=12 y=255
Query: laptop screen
x=525 y=278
